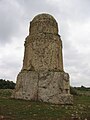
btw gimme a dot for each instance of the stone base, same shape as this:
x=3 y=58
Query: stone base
x=50 y=86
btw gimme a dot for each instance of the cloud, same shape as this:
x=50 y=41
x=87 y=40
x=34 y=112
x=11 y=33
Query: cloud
x=11 y=60
x=77 y=10
x=10 y=20
x=77 y=61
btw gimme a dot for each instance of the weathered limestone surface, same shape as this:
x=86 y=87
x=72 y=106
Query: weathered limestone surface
x=27 y=85
x=42 y=76
x=52 y=89
x=44 y=86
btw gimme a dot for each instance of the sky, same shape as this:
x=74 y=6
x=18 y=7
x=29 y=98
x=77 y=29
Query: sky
x=73 y=17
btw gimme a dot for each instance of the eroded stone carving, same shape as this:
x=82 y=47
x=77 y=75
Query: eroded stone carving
x=42 y=76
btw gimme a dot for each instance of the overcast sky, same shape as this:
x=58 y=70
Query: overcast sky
x=73 y=17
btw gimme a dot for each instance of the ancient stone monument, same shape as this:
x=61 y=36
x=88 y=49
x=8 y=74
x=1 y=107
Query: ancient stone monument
x=42 y=77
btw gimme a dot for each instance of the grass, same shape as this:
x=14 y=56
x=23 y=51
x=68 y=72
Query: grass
x=11 y=109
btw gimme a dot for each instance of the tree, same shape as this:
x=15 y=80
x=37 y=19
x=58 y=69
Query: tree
x=6 y=84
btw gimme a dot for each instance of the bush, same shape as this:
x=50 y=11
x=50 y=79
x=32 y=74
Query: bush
x=7 y=84
x=73 y=91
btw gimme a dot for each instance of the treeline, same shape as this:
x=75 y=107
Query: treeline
x=6 y=84
x=82 y=88
x=79 y=90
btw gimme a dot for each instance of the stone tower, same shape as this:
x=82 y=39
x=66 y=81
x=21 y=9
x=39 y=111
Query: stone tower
x=42 y=77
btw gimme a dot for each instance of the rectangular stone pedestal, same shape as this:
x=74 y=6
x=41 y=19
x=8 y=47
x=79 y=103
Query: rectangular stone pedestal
x=50 y=86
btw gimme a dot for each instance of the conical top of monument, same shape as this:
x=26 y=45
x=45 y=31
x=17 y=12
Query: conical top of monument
x=43 y=16
x=43 y=23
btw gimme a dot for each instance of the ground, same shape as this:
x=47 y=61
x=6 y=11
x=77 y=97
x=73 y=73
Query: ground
x=11 y=109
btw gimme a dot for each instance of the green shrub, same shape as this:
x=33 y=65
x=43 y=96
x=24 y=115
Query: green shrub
x=73 y=91
x=7 y=84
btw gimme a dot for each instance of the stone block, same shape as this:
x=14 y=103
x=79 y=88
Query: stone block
x=46 y=86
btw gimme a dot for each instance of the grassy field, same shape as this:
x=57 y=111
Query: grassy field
x=11 y=109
